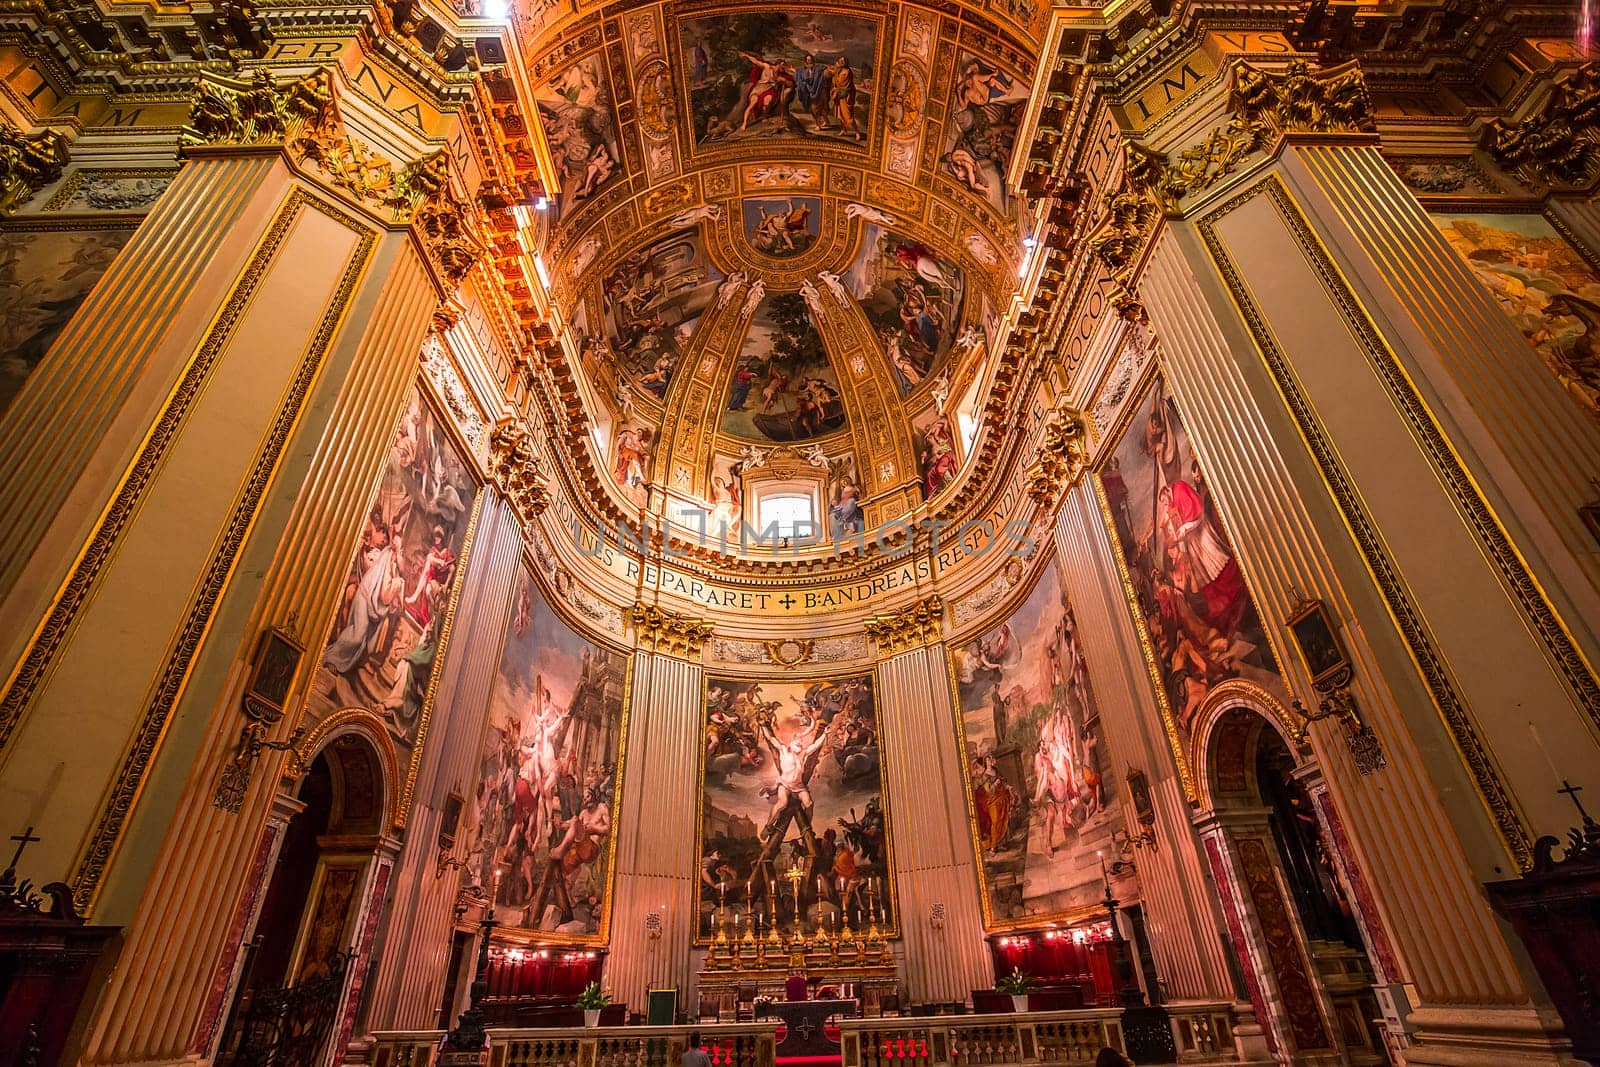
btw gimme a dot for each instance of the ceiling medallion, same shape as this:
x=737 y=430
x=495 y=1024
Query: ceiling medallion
x=790 y=653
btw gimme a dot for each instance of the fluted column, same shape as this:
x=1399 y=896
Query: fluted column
x=414 y=951
x=1265 y=355
x=222 y=405
x=656 y=864
x=1185 y=926
x=928 y=826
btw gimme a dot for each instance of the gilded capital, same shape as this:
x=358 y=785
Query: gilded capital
x=920 y=624
x=668 y=632
x=1298 y=99
x=1063 y=455
x=27 y=164
x=258 y=113
x=1557 y=142
x=511 y=465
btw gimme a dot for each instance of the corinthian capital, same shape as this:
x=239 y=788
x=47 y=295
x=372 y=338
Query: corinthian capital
x=511 y=465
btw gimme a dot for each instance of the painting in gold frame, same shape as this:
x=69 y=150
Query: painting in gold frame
x=791 y=779
x=542 y=845
x=1036 y=763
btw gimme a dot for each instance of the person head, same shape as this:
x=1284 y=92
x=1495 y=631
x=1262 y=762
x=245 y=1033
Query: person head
x=1110 y=1057
x=694 y=1039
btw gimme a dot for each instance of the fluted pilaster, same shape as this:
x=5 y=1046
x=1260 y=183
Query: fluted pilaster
x=68 y=435
x=1433 y=605
x=1181 y=915
x=1532 y=449
x=656 y=865
x=928 y=826
x=320 y=283
x=414 y=955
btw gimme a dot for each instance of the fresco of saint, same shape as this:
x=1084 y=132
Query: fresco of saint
x=653 y=300
x=792 y=781
x=984 y=114
x=580 y=129
x=1036 y=766
x=765 y=73
x=547 y=789
x=914 y=300
x=384 y=640
x=1185 y=576
x=783 y=387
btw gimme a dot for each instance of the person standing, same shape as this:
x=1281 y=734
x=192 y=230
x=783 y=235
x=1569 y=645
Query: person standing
x=694 y=1055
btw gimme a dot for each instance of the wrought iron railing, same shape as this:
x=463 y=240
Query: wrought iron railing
x=286 y=1027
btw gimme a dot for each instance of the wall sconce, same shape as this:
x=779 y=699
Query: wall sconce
x=1331 y=674
x=936 y=914
x=653 y=925
x=446 y=862
x=1144 y=811
x=265 y=699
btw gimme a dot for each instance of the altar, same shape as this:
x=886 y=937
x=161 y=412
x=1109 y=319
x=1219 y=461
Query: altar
x=805 y=1025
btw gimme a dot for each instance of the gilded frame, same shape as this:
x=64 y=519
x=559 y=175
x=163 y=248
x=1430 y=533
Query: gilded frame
x=1317 y=641
x=891 y=930
x=1012 y=602
x=522 y=935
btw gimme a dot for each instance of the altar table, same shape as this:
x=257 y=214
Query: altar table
x=804 y=1021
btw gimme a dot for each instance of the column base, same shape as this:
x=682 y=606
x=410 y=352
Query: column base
x=1488 y=1037
x=1249 y=1037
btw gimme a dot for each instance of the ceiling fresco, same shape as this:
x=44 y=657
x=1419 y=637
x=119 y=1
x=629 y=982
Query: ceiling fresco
x=782 y=228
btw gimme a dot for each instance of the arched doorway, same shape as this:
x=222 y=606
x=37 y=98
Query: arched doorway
x=1283 y=893
x=299 y=964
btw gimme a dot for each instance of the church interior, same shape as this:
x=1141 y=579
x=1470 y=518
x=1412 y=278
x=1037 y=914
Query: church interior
x=618 y=533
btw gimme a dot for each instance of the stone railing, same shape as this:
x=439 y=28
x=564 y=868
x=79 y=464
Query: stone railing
x=1202 y=1030
x=728 y=1045
x=1049 y=1038
x=403 y=1048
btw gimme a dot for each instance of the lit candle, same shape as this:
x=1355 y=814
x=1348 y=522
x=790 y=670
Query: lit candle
x=1104 y=874
x=722 y=888
x=494 y=895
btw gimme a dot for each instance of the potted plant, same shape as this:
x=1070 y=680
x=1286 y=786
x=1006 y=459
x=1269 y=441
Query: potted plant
x=591 y=1000
x=1018 y=984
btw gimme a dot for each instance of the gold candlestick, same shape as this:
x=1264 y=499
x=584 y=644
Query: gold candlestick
x=795 y=876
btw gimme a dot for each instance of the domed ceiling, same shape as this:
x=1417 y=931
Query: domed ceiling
x=780 y=232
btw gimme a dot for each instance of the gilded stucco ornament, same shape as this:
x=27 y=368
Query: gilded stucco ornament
x=1262 y=104
x=260 y=112
x=1130 y=216
x=27 y=164
x=668 y=632
x=443 y=222
x=920 y=624
x=511 y=465
x=1557 y=143
x=1062 y=458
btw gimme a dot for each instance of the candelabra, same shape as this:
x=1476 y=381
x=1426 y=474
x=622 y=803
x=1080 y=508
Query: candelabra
x=470 y=1035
